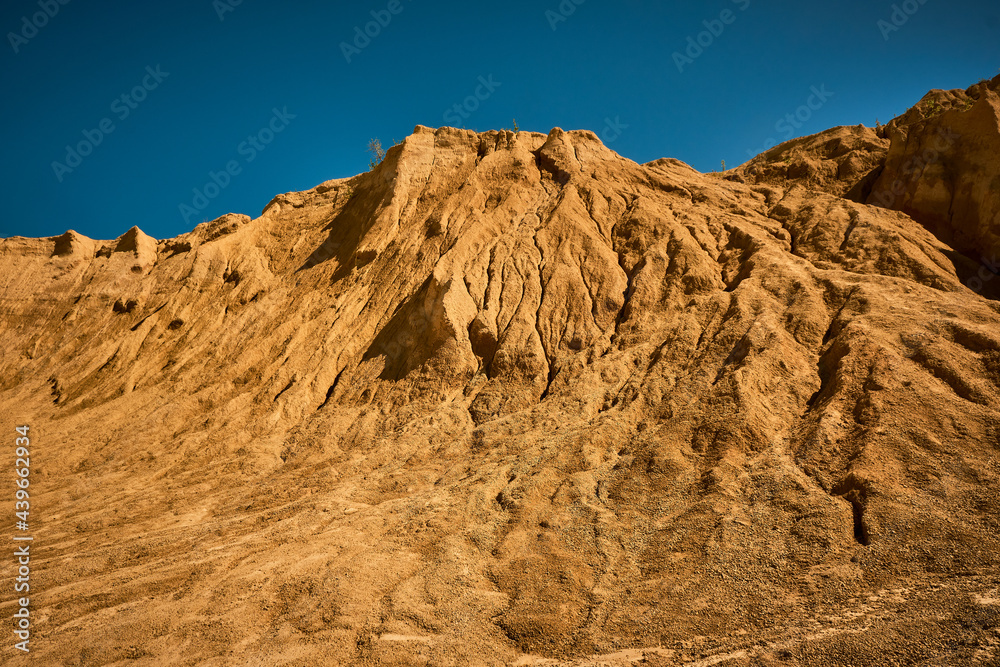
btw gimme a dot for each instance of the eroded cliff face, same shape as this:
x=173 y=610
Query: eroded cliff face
x=512 y=396
x=943 y=167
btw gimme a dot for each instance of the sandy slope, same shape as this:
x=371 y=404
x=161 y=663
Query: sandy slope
x=513 y=399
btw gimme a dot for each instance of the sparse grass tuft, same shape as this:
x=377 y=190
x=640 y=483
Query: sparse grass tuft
x=377 y=153
x=932 y=109
x=515 y=130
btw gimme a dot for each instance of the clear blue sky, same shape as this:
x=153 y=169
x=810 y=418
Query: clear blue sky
x=225 y=67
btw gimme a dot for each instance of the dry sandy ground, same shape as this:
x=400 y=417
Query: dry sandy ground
x=512 y=399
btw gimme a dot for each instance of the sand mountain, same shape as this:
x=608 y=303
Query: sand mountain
x=513 y=399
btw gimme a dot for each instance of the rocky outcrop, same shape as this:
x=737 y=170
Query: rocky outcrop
x=943 y=168
x=843 y=161
x=510 y=396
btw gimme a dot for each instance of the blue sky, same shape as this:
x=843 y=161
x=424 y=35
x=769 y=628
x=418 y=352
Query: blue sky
x=269 y=91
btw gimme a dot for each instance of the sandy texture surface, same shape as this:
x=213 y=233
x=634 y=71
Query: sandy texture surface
x=512 y=399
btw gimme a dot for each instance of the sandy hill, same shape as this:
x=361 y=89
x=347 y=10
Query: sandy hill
x=514 y=399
